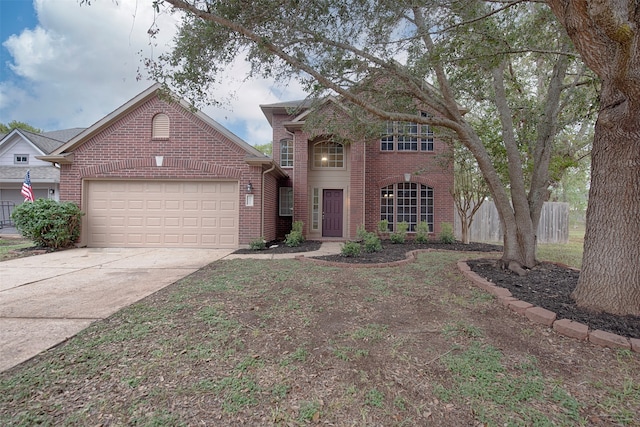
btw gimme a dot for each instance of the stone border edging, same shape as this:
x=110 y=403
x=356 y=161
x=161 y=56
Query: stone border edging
x=542 y=316
x=566 y=327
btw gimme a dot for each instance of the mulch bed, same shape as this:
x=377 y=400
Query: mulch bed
x=278 y=247
x=548 y=285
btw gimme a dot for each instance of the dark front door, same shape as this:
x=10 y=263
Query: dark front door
x=332 y=213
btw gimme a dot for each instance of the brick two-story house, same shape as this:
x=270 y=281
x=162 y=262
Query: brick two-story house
x=336 y=187
x=157 y=173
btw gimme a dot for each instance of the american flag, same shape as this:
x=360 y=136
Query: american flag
x=27 y=191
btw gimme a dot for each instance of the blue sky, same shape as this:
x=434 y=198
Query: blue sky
x=64 y=65
x=15 y=16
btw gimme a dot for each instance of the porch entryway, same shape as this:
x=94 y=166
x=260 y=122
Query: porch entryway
x=332 y=205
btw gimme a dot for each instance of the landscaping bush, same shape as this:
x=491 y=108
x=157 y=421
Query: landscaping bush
x=48 y=223
x=361 y=233
x=350 y=249
x=258 y=244
x=383 y=227
x=372 y=243
x=400 y=235
x=295 y=237
x=446 y=233
x=422 y=232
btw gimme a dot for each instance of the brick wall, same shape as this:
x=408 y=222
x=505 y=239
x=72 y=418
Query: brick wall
x=388 y=167
x=194 y=151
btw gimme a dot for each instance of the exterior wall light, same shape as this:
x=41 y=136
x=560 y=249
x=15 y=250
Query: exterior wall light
x=249 y=188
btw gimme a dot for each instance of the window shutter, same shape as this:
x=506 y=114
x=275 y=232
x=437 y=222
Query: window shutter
x=161 y=126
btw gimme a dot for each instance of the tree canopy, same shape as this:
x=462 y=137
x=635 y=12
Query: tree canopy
x=14 y=124
x=384 y=59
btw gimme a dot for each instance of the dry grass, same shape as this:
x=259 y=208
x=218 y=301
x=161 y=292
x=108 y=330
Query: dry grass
x=286 y=343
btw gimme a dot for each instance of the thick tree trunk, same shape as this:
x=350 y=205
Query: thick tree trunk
x=610 y=277
x=519 y=245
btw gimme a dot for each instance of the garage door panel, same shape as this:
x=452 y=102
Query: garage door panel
x=228 y=205
x=191 y=205
x=172 y=205
x=162 y=213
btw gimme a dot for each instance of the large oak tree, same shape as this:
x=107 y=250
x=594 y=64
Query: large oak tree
x=607 y=35
x=379 y=55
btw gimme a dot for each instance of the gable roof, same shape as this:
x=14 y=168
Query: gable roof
x=64 y=153
x=45 y=142
x=63 y=134
x=288 y=108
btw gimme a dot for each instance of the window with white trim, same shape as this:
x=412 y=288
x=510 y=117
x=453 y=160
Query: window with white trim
x=408 y=202
x=286 y=201
x=407 y=136
x=21 y=159
x=160 y=126
x=328 y=154
x=315 y=209
x=286 y=153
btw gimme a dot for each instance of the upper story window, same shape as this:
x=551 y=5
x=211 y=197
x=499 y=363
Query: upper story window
x=160 y=126
x=407 y=136
x=328 y=154
x=286 y=153
x=21 y=159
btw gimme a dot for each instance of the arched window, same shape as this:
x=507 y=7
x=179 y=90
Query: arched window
x=328 y=154
x=160 y=126
x=409 y=202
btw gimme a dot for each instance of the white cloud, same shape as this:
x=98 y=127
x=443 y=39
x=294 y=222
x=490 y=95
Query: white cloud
x=81 y=62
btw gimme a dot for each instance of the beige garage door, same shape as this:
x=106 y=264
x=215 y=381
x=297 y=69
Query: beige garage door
x=162 y=214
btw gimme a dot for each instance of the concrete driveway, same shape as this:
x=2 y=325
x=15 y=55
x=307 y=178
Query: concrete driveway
x=48 y=298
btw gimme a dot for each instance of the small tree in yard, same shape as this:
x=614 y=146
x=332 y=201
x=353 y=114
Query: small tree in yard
x=49 y=223
x=469 y=189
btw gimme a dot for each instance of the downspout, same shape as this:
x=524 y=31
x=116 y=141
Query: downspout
x=262 y=199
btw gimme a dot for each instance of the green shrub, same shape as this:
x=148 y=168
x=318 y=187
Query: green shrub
x=400 y=235
x=297 y=226
x=295 y=237
x=258 y=244
x=383 y=226
x=49 y=223
x=372 y=243
x=446 y=233
x=422 y=232
x=350 y=249
x=361 y=233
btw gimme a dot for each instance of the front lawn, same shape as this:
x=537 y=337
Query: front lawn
x=247 y=342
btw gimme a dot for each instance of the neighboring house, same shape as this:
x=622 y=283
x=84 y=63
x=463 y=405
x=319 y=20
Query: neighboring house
x=19 y=150
x=157 y=173
x=334 y=188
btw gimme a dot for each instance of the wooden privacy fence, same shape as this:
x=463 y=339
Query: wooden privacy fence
x=553 y=227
